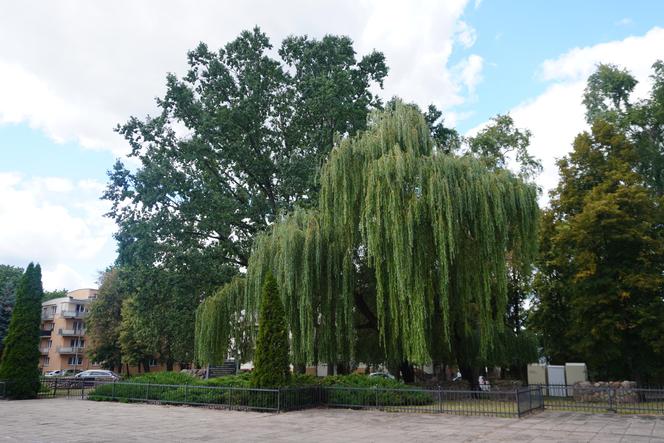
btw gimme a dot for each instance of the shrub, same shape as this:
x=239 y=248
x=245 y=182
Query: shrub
x=20 y=360
x=271 y=368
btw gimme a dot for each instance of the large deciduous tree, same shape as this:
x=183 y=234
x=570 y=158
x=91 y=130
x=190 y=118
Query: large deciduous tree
x=104 y=320
x=599 y=285
x=239 y=138
x=605 y=258
x=406 y=254
x=20 y=360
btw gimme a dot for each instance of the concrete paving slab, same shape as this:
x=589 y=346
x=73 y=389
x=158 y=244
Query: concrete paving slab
x=74 y=420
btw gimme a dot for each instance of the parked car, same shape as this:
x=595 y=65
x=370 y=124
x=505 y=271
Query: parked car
x=62 y=373
x=98 y=374
x=382 y=375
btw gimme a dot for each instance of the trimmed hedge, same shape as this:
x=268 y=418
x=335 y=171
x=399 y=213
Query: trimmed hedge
x=352 y=390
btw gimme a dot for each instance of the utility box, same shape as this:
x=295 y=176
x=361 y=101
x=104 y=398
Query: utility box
x=556 y=376
x=536 y=374
x=575 y=373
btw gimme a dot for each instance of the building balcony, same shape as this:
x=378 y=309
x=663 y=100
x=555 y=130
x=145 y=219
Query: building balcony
x=45 y=332
x=73 y=314
x=71 y=349
x=48 y=315
x=44 y=351
x=71 y=332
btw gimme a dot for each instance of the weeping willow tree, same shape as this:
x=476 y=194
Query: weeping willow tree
x=406 y=255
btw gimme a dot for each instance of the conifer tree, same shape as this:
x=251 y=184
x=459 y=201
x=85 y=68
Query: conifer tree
x=271 y=367
x=20 y=360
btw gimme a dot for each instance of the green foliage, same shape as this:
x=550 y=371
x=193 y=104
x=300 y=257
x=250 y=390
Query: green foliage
x=499 y=140
x=605 y=255
x=607 y=93
x=170 y=387
x=20 y=360
x=58 y=293
x=135 y=343
x=9 y=278
x=258 y=128
x=104 y=321
x=405 y=257
x=223 y=326
x=271 y=365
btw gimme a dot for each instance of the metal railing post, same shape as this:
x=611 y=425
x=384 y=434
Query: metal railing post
x=278 y=400
x=113 y=391
x=440 y=399
x=518 y=404
x=55 y=387
x=186 y=393
x=147 y=392
x=610 y=392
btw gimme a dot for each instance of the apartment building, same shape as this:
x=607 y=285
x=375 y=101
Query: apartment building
x=63 y=343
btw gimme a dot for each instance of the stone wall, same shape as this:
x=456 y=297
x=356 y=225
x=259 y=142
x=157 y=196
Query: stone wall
x=599 y=392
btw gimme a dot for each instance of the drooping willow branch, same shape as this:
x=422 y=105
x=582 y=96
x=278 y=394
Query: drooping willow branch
x=421 y=237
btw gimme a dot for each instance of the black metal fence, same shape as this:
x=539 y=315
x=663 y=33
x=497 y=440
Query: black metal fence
x=3 y=389
x=432 y=401
x=601 y=399
x=507 y=403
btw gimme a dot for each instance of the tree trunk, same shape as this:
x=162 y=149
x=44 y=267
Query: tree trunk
x=343 y=368
x=300 y=368
x=169 y=365
x=146 y=366
x=407 y=372
x=471 y=375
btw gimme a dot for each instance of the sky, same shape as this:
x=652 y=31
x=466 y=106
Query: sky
x=70 y=71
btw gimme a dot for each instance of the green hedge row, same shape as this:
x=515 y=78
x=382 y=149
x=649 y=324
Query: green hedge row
x=169 y=387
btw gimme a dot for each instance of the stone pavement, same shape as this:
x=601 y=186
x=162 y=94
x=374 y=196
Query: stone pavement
x=64 y=420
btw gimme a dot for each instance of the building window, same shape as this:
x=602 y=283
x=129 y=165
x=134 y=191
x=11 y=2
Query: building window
x=47 y=360
x=152 y=362
x=48 y=345
x=76 y=342
x=77 y=360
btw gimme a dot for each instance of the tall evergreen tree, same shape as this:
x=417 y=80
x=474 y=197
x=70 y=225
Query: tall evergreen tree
x=20 y=361
x=9 y=278
x=271 y=358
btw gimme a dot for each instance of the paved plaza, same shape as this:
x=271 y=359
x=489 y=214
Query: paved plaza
x=65 y=420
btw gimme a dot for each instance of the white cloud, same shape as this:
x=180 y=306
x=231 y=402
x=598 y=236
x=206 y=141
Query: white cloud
x=556 y=116
x=470 y=72
x=625 y=21
x=466 y=34
x=57 y=223
x=83 y=67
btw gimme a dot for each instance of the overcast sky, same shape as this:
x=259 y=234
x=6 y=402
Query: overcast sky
x=71 y=70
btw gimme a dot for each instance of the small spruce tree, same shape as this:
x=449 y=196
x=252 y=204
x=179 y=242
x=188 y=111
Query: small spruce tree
x=271 y=365
x=20 y=360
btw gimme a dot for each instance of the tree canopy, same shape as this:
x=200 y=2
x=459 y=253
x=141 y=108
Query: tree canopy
x=239 y=138
x=408 y=247
x=600 y=283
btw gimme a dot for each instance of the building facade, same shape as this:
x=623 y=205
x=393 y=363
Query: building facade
x=63 y=343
